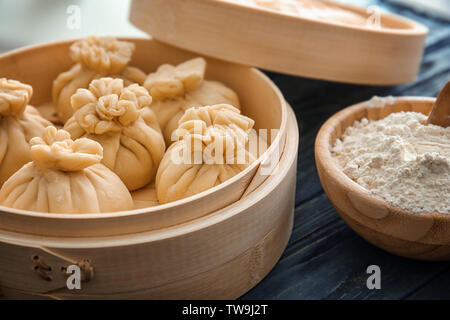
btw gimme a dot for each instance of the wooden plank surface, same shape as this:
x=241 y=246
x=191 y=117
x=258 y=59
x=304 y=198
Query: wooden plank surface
x=325 y=259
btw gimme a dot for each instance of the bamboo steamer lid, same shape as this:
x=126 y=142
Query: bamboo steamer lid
x=314 y=39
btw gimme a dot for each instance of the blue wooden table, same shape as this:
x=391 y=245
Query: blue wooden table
x=325 y=259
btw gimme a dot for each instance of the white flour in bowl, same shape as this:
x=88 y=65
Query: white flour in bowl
x=399 y=159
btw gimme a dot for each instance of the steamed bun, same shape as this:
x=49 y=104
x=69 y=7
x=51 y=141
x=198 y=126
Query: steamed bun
x=176 y=88
x=19 y=122
x=94 y=57
x=65 y=176
x=119 y=119
x=212 y=149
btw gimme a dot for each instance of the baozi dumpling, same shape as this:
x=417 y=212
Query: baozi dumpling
x=65 y=176
x=177 y=88
x=212 y=149
x=19 y=122
x=95 y=57
x=119 y=118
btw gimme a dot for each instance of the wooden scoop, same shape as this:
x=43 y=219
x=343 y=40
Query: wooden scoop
x=440 y=114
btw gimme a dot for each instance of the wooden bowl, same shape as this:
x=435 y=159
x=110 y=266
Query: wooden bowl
x=314 y=48
x=260 y=99
x=415 y=235
x=218 y=256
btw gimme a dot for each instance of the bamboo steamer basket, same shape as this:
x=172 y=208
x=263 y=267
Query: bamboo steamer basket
x=217 y=244
x=218 y=256
x=423 y=236
x=318 y=46
x=39 y=65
